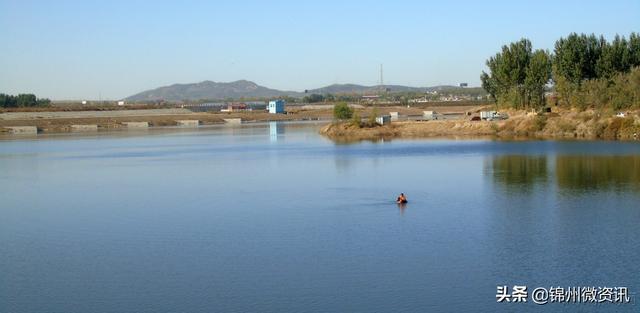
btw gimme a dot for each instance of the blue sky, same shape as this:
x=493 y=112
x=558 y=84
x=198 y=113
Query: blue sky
x=112 y=49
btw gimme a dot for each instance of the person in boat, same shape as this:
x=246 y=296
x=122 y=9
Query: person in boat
x=401 y=198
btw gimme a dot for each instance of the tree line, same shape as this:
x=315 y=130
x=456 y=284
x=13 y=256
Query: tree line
x=584 y=70
x=316 y=98
x=22 y=100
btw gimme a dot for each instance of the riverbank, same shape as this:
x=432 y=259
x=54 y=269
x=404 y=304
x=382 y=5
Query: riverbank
x=558 y=125
x=63 y=119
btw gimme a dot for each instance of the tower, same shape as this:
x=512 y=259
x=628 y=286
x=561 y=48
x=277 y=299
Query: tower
x=382 y=89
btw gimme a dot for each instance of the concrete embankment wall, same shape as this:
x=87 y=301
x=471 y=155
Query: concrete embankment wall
x=84 y=128
x=188 y=123
x=233 y=120
x=25 y=130
x=136 y=124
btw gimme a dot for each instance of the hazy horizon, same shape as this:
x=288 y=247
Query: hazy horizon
x=75 y=50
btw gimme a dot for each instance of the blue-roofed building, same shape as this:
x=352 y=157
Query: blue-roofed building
x=276 y=106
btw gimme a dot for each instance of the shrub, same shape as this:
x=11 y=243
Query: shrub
x=566 y=126
x=540 y=122
x=373 y=116
x=628 y=128
x=342 y=111
x=356 y=120
x=494 y=127
x=613 y=129
x=599 y=129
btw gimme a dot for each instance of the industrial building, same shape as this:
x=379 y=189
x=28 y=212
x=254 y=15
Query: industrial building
x=276 y=106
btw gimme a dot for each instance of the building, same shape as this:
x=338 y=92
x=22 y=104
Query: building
x=383 y=120
x=429 y=115
x=276 y=106
x=234 y=107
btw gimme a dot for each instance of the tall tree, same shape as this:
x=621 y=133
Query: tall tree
x=26 y=100
x=615 y=58
x=538 y=76
x=513 y=79
x=576 y=56
x=634 y=49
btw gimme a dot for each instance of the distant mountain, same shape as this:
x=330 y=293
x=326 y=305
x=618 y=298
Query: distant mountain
x=360 y=89
x=210 y=90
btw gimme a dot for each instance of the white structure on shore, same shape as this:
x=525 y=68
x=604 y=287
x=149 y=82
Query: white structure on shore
x=276 y=106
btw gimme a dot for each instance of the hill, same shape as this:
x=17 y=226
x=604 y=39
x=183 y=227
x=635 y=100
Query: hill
x=210 y=90
x=360 y=89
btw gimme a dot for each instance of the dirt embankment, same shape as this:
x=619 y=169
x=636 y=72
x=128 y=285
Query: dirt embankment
x=61 y=121
x=572 y=124
x=580 y=125
x=409 y=129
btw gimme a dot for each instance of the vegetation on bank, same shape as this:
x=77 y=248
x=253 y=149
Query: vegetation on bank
x=588 y=124
x=22 y=101
x=518 y=75
x=342 y=111
x=585 y=71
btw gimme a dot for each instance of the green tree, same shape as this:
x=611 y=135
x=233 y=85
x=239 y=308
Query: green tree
x=576 y=57
x=634 y=49
x=356 y=120
x=587 y=71
x=537 y=76
x=517 y=75
x=43 y=102
x=329 y=98
x=615 y=58
x=26 y=100
x=7 y=101
x=342 y=111
x=372 y=117
x=490 y=85
x=313 y=98
x=22 y=100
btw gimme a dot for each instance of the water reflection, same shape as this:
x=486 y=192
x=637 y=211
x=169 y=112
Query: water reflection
x=342 y=163
x=598 y=172
x=518 y=171
x=275 y=129
x=579 y=172
x=402 y=207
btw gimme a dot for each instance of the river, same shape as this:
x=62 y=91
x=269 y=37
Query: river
x=275 y=218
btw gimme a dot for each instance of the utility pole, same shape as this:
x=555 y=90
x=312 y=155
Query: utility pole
x=381 y=77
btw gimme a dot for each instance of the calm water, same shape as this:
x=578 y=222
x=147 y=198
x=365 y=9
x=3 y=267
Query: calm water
x=274 y=218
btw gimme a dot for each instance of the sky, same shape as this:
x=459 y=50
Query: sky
x=73 y=50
